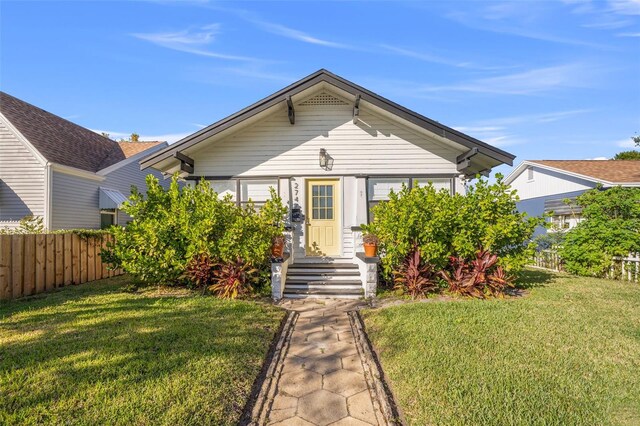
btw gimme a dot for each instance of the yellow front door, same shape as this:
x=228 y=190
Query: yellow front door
x=323 y=211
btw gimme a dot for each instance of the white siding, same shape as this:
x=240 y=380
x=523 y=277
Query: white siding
x=547 y=182
x=372 y=146
x=130 y=175
x=74 y=202
x=22 y=180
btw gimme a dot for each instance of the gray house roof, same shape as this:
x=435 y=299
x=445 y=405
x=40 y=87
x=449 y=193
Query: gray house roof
x=63 y=142
x=346 y=85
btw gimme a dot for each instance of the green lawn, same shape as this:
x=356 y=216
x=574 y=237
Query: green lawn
x=567 y=353
x=94 y=355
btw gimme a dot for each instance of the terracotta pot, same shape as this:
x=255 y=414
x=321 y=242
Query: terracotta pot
x=370 y=250
x=277 y=249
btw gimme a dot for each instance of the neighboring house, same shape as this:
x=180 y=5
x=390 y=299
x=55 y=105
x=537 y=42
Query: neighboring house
x=544 y=185
x=66 y=174
x=332 y=150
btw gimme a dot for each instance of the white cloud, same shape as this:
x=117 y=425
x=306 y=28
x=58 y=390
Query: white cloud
x=625 y=7
x=544 y=117
x=521 y=19
x=493 y=135
x=628 y=34
x=436 y=59
x=191 y=41
x=528 y=82
x=297 y=35
x=626 y=143
x=597 y=158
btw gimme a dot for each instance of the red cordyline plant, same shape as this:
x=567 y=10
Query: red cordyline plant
x=415 y=277
x=199 y=271
x=478 y=278
x=233 y=279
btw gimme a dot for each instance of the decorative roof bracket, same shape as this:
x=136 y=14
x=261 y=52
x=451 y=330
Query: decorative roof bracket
x=356 y=109
x=186 y=163
x=290 y=111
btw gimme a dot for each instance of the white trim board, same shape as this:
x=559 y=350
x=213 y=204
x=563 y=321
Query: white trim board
x=527 y=163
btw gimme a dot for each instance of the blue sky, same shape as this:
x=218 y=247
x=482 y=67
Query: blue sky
x=543 y=79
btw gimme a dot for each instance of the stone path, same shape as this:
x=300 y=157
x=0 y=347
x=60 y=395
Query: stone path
x=323 y=380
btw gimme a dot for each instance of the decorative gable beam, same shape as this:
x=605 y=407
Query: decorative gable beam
x=463 y=161
x=186 y=163
x=290 y=111
x=356 y=109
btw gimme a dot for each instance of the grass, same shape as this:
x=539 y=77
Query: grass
x=94 y=354
x=567 y=353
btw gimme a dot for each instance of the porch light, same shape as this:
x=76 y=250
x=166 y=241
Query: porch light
x=323 y=158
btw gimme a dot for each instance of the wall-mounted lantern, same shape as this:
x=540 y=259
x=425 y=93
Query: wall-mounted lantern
x=323 y=158
x=326 y=161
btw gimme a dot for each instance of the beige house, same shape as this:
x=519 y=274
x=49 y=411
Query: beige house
x=332 y=150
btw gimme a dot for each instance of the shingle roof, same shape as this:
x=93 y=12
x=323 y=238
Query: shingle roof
x=63 y=142
x=494 y=154
x=127 y=149
x=614 y=171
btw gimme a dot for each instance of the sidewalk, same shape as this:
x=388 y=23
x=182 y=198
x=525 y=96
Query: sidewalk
x=323 y=380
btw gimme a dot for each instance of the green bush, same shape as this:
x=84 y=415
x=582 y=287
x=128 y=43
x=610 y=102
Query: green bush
x=444 y=225
x=28 y=225
x=610 y=227
x=170 y=227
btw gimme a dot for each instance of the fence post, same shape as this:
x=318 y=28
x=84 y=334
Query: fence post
x=41 y=262
x=6 y=289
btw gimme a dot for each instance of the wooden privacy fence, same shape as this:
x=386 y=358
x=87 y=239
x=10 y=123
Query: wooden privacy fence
x=35 y=263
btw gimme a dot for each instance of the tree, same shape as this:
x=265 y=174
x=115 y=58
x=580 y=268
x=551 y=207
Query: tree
x=105 y=134
x=627 y=155
x=636 y=140
x=134 y=137
x=611 y=227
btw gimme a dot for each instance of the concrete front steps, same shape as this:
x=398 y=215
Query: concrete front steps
x=323 y=280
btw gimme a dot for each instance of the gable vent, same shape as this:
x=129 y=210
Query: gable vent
x=323 y=99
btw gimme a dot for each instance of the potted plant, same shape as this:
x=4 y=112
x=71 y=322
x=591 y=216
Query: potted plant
x=370 y=243
x=277 y=246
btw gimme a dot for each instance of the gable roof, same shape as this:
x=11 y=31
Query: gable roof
x=608 y=172
x=126 y=150
x=63 y=142
x=324 y=76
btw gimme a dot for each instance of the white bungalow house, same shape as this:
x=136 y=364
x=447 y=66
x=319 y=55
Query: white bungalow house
x=70 y=176
x=544 y=185
x=332 y=149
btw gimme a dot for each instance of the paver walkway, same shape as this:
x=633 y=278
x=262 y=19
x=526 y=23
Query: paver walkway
x=322 y=380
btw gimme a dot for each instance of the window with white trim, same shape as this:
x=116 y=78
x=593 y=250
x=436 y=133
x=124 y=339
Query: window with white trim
x=108 y=217
x=257 y=190
x=378 y=188
x=244 y=190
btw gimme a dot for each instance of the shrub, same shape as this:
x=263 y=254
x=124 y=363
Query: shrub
x=444 y=225
x=610 y=227
x=170 y=227
x=479 y=277
x=200 y=271
x=28 y=225
x=233 y=279
x=415 y=277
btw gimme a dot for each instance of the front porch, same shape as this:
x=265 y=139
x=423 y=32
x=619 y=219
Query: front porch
x=326 y=277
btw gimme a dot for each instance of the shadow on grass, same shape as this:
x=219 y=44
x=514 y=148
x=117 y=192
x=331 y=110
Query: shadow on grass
x=532 y=278
x=78 y=341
